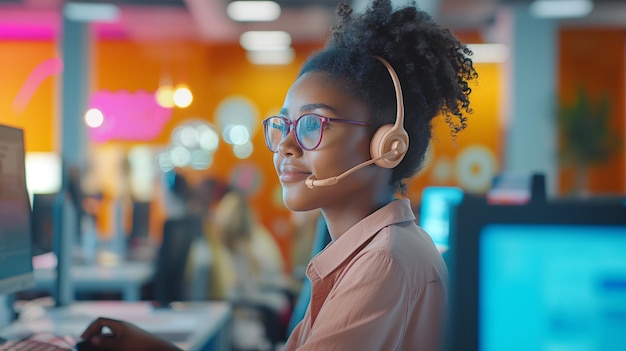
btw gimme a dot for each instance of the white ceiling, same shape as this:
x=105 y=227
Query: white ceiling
x=311 y=20
x=306 y=20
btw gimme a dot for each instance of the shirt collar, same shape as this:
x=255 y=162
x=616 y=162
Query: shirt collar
x=338 y=251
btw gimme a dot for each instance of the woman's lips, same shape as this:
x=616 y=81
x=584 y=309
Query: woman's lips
x=292 y=174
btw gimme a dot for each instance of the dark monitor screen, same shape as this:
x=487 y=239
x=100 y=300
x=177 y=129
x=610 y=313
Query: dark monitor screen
x=16 y=269
x=538 y=277
x=41 y=222
x=140 y=220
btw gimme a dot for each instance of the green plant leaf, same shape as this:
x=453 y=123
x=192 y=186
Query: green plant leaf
x=585 y=131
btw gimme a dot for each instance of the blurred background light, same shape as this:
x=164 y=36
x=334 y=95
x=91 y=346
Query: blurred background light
x=271 y=57
x=243 y=151
x=200 y=159
x=180 y=156
x=182 y=96
x=165 y=96
x=226 y=133
x=43 y=172
x=209 y=139
x=129 y=116
x=140 y=159
x=489 y=53
x=265 y=40
x=91 y=12
x=192 y=144
x=189 y=137
x=165 y=162
x=561 y=8
x=239 y=134
x=94 y=118
x=237 y=110
x=253 y=11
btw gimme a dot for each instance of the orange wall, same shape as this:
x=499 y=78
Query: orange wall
x=595 y=59
x=214 y=72
x=484 y=128
x=17 y=60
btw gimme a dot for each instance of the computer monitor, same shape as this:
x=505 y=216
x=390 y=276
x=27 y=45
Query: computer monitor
x=434 y=214
x=140 y=228
x=42 y=224
x=16 y=268
x=517 y=188
x=542 y=276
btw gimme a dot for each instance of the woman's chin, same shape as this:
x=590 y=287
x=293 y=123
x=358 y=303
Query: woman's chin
x=297 y=205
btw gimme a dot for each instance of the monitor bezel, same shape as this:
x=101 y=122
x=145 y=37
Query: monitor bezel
x=25 y=280
x=468 y=220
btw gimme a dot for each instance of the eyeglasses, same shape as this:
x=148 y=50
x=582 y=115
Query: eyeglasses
x=307 y=128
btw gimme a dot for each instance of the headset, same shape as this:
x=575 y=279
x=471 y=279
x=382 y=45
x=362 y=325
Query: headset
x=389 y=144
x=391 y=141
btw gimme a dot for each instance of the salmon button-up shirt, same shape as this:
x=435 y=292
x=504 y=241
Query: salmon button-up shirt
x=380 y=286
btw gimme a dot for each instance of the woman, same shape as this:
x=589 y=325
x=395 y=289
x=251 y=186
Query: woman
x=248 y=270
x=354 y=127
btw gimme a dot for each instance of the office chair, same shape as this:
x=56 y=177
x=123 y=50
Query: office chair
x=171 y=262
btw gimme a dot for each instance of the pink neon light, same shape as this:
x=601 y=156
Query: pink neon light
x=128 y=116
x=47 y=68
x=27 y=31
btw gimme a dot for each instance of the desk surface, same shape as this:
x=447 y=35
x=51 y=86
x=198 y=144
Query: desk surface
x=87 y=273
x=189 y=325
x=127 y=277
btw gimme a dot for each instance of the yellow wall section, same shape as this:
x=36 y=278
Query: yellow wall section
x=17 y=60
x=484 y=127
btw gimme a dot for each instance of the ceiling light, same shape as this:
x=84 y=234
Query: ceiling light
x=265 y=40
x=250 y=11
x=561 y=8
x=489 y=53
x=165 y=96
x=182 y=96
x=271 y=57
x=92 y=12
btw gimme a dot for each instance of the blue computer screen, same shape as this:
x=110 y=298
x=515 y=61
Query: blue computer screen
x=539 y=276
x=552 y=287
x=434 y=217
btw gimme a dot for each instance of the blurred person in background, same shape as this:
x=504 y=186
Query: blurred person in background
x=177 y=196
x=248 y=268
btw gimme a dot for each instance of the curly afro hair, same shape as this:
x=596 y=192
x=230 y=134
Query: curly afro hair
x=432 y=65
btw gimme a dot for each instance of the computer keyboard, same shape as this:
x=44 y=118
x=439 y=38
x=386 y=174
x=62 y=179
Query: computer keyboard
x=30 y=345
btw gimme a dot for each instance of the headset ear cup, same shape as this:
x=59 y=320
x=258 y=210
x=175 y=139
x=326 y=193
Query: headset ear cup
x=384 y=141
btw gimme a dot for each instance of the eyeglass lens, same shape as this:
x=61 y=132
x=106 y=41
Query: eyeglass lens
x=308 y=130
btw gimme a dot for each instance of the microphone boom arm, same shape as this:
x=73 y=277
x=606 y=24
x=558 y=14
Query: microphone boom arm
x=311 y=182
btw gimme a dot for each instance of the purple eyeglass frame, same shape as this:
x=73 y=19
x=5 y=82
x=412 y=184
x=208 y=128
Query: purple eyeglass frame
x=292 y=126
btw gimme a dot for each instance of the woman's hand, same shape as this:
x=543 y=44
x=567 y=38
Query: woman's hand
x=124 y=336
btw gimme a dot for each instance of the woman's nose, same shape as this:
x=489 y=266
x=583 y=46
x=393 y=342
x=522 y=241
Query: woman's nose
x=289 y=145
